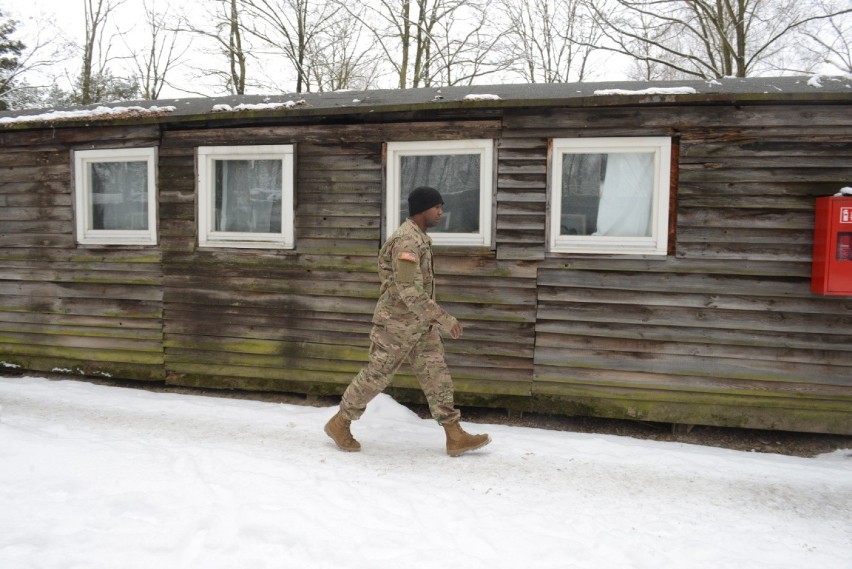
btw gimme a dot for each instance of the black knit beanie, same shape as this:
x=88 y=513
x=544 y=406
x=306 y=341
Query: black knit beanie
x=423 y=198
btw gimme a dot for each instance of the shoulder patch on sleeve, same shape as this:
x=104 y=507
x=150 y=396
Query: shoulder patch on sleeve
x=406 y=256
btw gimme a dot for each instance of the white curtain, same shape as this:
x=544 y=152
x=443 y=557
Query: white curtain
x=248 y=193
x=119 y=195
x=626 y=195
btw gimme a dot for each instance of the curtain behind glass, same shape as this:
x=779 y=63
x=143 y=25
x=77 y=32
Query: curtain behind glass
x=119 y=195
x=456 y=176
x=607 y=194
x=248 y=196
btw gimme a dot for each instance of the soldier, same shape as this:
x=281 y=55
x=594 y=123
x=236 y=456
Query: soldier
x=406 y=324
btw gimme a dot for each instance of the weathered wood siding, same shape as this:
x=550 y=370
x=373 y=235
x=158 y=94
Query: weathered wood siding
x=725 y=331
x=68 y=308
x=299 y=320
x=722 y=331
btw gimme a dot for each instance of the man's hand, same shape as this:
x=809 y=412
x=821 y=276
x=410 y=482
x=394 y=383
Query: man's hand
x=456 y=331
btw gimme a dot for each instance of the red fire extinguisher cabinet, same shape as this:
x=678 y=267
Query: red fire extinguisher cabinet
x=832 y=264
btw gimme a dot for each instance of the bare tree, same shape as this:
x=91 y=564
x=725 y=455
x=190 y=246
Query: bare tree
x=236 y=54
x=703 y=38
x=96 y=48
x=340 y=59
x=645 y=64
x=389 y=23
x=409 y=33
x=550 y=41
x=223 y=28
x=22 y=62
x=463 y=48
x=293 y=28
x=161 y=53
x=828 y=43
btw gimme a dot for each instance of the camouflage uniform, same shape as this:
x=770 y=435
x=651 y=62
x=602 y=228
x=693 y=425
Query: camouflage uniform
x=405 y=325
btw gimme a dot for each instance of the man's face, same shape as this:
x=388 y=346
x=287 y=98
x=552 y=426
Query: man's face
x=433 y=215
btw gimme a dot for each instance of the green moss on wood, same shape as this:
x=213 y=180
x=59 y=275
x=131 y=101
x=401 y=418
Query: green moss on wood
x=746 y=412
x=552 y=384
x=100 y=356
x=156 y=314
x=250 y=365
x=279 y=384
x=116 y=331
x=293 y=350
x=725 y=413
x=754 y=400
x=141 y=258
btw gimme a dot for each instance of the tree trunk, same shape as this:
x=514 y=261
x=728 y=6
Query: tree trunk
x=238 y=60
x=405 y=38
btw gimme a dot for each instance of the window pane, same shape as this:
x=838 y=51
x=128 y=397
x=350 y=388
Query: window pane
x=119 y=195
x=607 y=194
x=248 y=196
x=456 y=176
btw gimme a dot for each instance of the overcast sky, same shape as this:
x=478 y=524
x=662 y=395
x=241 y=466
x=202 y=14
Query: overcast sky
x=65 y=19
x=68 y=17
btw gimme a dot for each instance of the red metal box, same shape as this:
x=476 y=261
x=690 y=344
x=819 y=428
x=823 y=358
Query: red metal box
x=832 y=263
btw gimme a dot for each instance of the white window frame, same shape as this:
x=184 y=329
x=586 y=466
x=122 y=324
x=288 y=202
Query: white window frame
x=657 y=242
x=393 y=193
x=83 y=197
x=207 y=236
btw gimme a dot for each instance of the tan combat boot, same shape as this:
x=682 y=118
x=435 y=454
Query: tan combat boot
x=338 y=429
x=460 y=442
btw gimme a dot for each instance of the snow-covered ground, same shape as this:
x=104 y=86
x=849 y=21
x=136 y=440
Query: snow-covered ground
x=103 y=477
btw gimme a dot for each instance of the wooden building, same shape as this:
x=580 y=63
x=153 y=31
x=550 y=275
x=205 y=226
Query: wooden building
x=231 y=243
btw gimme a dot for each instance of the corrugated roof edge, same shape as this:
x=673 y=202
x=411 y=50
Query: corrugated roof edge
x=729 y=90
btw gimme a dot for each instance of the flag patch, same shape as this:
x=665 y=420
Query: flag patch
x=405 y=256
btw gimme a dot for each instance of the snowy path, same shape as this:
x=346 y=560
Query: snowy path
x=104 y=477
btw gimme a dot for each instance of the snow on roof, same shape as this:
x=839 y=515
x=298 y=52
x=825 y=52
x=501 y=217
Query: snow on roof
x=222 y=108
x=726 y=89
x=97 y=112
x=482 y=97
x=651 y=91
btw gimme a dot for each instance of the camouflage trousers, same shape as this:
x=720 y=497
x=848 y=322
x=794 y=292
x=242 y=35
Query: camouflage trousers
x=388 y=349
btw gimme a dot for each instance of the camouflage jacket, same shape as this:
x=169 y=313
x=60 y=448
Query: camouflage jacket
x=407 y=293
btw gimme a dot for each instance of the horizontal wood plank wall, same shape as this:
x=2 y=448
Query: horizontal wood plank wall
x=66 y=308
x=726 y=331
x=299 y=320
x=521 y=198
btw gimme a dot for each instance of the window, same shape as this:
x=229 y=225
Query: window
x=115 y=196
x=245 y=196
x=610 y=195
x=460 y=170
